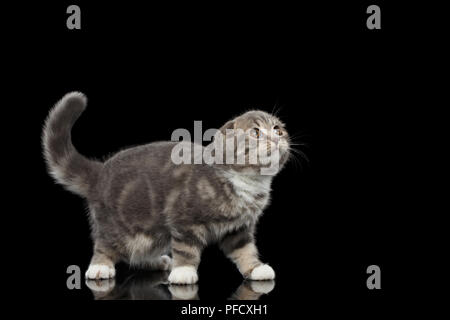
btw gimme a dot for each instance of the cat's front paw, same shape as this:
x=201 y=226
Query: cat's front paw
x=262 y=272
x=100 y=271
x=183 y=275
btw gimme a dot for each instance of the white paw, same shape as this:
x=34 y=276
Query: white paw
x=183 y=275
x=262 y=286
x=263 y=272
x=104 y=285
x=100 y=271
x=184 y=292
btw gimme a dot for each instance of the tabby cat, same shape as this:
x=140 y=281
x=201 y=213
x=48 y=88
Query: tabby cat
x=149 y=212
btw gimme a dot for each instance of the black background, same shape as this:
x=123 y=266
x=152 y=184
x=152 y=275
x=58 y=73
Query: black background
x=149 y=69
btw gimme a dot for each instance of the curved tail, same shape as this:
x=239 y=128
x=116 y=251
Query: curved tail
x=68 y=167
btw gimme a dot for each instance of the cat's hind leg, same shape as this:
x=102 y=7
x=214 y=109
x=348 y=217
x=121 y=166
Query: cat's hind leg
x=147 y=251
x=102 y=264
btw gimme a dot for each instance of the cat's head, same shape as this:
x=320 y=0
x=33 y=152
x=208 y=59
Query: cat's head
x=266 y=147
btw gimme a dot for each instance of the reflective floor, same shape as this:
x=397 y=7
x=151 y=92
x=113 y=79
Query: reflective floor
x=154 y=286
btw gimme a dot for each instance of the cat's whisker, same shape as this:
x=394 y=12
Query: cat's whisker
x=299 y=152
x=296 y=162
x=298 y=144
x=297 y=139
x=300 y=134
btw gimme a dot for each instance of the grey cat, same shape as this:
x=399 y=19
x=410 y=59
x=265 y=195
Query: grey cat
x=143 y=208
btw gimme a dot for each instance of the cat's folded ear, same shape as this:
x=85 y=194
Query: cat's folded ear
x=230 y=125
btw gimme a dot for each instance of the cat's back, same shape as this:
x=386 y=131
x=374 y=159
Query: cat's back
x=132 y=166
x=152 y=154
x=149 y=164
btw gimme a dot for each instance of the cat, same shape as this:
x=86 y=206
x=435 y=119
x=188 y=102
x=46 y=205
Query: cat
x=149 y=212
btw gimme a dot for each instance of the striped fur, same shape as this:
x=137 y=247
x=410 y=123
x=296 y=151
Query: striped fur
x=68 y=167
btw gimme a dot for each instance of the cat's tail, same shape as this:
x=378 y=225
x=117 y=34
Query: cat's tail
x=68 y=167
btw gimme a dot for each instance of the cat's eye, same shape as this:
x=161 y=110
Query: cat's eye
x=277 y=130
x=255 y=133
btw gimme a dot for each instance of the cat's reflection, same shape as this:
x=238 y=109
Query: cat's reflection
x=139 y=286
x=252 y=290
x=154 y=286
